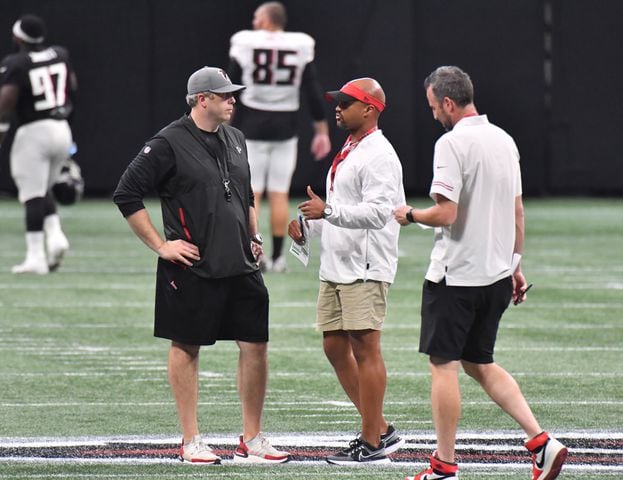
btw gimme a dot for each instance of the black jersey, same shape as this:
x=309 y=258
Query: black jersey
x=44 y=80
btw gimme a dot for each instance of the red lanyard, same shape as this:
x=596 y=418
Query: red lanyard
x=343 y=153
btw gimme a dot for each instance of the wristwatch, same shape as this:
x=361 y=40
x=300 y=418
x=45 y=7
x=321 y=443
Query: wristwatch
x=257 y=238
x=409 y=216
x=328 y=211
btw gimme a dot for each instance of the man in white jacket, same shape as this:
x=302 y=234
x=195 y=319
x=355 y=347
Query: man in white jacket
x=358 y=261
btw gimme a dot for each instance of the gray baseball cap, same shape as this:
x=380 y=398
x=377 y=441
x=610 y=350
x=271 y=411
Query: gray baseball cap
x=211 y=79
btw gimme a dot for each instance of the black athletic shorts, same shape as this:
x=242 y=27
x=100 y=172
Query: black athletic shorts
x=461 y=323
x=197 y=311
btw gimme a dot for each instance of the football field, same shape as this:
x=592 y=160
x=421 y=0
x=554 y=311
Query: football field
x=84 y=391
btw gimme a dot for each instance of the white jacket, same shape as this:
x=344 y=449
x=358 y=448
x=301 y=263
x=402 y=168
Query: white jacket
x=359 y=240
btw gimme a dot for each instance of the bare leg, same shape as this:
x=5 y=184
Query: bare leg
x=252 y=380
x=366 y=347
x=504 y=390
x=338 y=350
x=446 y=406
x=279 y=213
x=184 y=380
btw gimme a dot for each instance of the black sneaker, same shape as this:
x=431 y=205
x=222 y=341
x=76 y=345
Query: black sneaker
x=391 y=441
x=359 y=452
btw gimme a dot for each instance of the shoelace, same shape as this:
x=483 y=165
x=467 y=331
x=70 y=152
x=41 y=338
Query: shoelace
x=199 y=446
x=264 y=445
x=354 y=446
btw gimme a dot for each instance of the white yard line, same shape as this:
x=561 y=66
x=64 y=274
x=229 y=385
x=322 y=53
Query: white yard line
x=288 y=406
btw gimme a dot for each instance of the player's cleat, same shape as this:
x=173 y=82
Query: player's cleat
x=548 y=456
x=278 y=265
x=438 y=470
x=391 y=441
x=35 y=261
x=259 y=450
x=197 y=452
x=36 y=265
x=56 y=248
x=359 y=452
x=56 y=242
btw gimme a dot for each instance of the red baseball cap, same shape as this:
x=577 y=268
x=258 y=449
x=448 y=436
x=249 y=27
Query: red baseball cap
x=351 y=92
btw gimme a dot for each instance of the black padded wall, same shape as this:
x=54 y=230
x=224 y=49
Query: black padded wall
x=133 y=59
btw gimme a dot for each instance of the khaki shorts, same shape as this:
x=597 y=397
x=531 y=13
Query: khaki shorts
x=355 y=306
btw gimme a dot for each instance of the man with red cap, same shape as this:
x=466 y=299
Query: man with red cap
x=358 y=262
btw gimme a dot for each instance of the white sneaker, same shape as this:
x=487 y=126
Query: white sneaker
x=56 y=249
x=278 y=265
x=259 y=450
x=56 y=242
x=548 y=456
x=198 y=452
x=32 y=265
x=35 y=261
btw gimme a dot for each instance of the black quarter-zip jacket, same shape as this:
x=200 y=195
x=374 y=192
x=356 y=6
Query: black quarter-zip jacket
x=182 y=166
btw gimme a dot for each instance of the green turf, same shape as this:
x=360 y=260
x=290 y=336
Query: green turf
x=78 y=356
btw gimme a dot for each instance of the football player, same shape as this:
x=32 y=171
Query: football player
x=275 y=66
x=36 y=90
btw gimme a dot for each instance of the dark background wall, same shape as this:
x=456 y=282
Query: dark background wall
x=548 y=71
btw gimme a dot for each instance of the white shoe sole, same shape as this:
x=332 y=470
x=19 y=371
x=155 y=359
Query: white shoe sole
x=395 y=446
x=39 y=270
x=350 y=463
x=55 y=258
x=554 y=466
x=216 y=461
x=252 y=459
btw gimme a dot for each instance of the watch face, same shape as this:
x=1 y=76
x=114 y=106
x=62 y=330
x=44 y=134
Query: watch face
x=328 y=210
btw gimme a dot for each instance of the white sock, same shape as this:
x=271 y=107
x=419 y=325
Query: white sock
x=35 y=248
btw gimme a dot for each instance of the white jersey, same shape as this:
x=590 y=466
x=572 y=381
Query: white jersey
x=272 y=66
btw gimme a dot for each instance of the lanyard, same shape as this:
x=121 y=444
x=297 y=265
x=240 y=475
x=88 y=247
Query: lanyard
x=349 y=146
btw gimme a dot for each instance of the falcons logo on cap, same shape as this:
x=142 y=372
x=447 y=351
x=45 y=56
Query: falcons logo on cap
x=223 y=74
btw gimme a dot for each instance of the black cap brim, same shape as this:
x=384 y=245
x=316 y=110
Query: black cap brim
x=338 y=96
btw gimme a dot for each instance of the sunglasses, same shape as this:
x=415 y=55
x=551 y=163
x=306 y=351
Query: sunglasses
x=344 y=104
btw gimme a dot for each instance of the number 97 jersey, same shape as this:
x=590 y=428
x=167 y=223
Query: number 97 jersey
x=43 y=78
x=272 y=65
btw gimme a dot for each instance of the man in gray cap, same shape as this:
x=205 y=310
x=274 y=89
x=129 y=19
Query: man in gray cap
x=208 y=284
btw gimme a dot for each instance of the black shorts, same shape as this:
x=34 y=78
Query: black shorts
x=197 y=311
x=461 y=323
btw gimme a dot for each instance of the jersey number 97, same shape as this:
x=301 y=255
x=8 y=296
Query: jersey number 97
x=42 y=82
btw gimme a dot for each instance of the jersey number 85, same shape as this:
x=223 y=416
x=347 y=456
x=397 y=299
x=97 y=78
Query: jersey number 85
x=266 y=70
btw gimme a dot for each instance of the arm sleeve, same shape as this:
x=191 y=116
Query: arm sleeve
x=447 y=177
x=313 y=92
x=381 y=183
x=147 y=172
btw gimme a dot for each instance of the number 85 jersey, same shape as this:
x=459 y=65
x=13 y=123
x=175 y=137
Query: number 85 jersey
x=44 y=78
x=272 y=65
